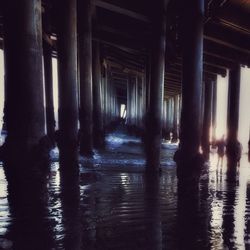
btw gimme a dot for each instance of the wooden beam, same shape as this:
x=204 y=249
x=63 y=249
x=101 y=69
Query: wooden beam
x=114 y=8
x=218 y=62
x=227 y=37
x=233 y=19
x=224 y=52
x=210 y=69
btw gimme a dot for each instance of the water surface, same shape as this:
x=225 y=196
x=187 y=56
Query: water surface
x=112 y=204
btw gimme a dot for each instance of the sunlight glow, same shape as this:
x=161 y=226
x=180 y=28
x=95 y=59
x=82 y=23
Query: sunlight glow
x=55 y=89
x=123 y=111
x=244 y=118
x=221 y=112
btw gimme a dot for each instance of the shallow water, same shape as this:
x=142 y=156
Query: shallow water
x=111 y=204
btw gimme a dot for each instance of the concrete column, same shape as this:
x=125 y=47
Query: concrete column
x=127 y=104
x=24 y=78
x=136 y=102
x=50 y=117
x=129 y=101
x=165 y=113
x=86 y=93
x=207 y=119
x=67 y=80
x=164 y=119
x=105 y=98
x=97 y=105
x=109 y=101
x=141 y=101
x=148 y=77
x=154 y=116
x=202 y=103
x=214 y=107
x=144 y=101
x=192 y=41
x=175 y=118
x=167 y=118
x=102 y=94
x=233 y=112
x=172 y=114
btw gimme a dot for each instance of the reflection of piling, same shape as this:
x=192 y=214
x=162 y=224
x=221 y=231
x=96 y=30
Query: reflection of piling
x=152 y=205
x=70 y=198
x=188 y=221
x=228 y=211
x=27 y=195
x=247 y=222
x=231 y=170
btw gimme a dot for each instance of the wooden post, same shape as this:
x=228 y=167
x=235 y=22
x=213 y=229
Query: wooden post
x=97 y=106
x=50 y=117
x=175 y=125
x=24 y=78
x=67 y=80
x=154 y=115
x=86 y=91
x=188 y=156
x=233 y=112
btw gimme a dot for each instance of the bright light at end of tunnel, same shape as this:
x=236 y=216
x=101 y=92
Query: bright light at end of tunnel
x=123 y=111
x=221 y=111
x=244 y=118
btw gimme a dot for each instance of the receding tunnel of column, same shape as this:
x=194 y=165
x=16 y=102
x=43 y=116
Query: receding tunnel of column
x=124 y=124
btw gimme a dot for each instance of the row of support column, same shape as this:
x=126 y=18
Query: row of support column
x=136 y=101
x=23 y=50
x=111 y=105
x=109 y=102
x=209 y=116
x=25 y=54
x=195 y=124
x=171 y=118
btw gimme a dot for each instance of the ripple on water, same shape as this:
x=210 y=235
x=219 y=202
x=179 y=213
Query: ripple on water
x=113 y=205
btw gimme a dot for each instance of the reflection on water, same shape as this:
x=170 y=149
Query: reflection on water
x=109 y=203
